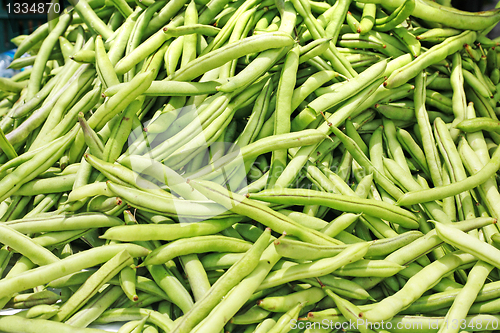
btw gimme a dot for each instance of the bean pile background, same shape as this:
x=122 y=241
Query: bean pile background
x=252 y=166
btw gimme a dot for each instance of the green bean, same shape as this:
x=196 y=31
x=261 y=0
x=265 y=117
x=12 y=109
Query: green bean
x=299 y=250
x=84 y=57
x=253 y=315
x=316 y=268
x=30 y=169
x=44 y=297
x=472 y=162
x=167 y=231
x=242 y=205
x=198 y=244
x=344 y=287
x=224 y=284
x=304 y=219
x=467 y=295
x=433 y=209
x=434 y=55
x=170 y=207
x=74 y=263
x=89 y=16
x=42 y=311
x=87 y=102
x=353 y=204
x=417 y=285
x=219 y=57
x=428 y=140
x=282 y=124
x=118 y=102
x=39 y=34
x=63 y=222
x=422 y=245
x=126 y=314
x=93 y=284
x=348 y=89
x=369 y=268
x=455 y=188
x=285 y=303
x=20 y=324
x=43 y=55
x=476 y=84
x=146 y=285
x=24 y=245
x=103 y=65
x=240 y=294
x=283 y=324
x=133 y=326
x=128 y=281
x=336 y=119
x=35 y=120
x=458 y=238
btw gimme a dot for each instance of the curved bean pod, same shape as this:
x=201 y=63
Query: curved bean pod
x=290 y=248
x=229 y=52
x=224 y=284
x=417 y=285
x=92 y=285
x=479 y=124
x=432 y=56
x=285 y=303
x=468 y=243
x=317 y=268
x=169 y=206
x=257 y=211
x=71 y=264
x=25 y=245
x=441 y=192
x=198 y=244
x=18 y=324
x=398 y=16
x=369 y=268
x=64 y=222
x=126 y=314
x=346 y=204
x=448 y=16
x=142 y=232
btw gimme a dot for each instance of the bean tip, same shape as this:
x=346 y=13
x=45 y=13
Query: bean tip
x=135 y=298
x=495 y=221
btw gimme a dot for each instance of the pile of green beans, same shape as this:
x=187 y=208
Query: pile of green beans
x=244 y=166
